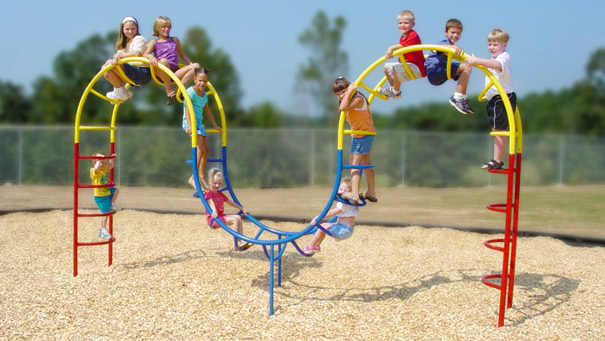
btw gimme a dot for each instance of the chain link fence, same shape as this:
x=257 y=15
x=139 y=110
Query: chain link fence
x=278 y=158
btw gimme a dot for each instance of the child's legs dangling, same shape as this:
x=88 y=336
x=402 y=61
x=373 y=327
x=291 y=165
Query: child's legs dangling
x=365 y=160
x=317 y=238
x=186 y=73
x=234 y=220
x=202 y=157
x=355 y=159
x=113 y=77
x=463 y=73
x=164 y=77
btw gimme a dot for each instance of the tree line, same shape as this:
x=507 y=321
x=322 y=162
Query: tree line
x=579 y=109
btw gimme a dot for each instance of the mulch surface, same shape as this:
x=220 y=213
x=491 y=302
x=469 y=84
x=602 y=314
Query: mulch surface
x=175 y=278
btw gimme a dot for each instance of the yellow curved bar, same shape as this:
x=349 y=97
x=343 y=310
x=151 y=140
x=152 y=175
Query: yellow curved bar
x=406 y=67
x=341 y=126
x=448 y=68
x=481 y=96
x=221 y=112
x=123 y=75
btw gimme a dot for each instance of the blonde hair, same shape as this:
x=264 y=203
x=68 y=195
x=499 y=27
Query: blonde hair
x=122 y=40
x=453 y=23
x=499 y=35
x=406 y=15
x=212 y=173
x=97 y=154
x=159 y=22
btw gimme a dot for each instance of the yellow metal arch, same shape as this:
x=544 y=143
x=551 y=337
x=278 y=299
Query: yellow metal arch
x=181 y=90
x=514 y=118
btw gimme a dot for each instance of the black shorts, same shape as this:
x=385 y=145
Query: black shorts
x=139 y=75
x=496 y=112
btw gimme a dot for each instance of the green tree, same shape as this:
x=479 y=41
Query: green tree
x=264 y=115
x=57 y=98
x=14 y=105
x=326 y=62
x=223 y=75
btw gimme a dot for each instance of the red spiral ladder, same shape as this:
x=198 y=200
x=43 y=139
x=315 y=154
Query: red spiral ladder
x=508 y=244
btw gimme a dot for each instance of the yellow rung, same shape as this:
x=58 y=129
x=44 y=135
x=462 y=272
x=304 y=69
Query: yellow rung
x=96 y=128
x=112 y=101
x=359 y=132
x=500 y=133
x=481 y=96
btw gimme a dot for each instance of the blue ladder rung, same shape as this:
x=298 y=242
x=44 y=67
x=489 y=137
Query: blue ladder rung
x=190 y=162
x=357 y=166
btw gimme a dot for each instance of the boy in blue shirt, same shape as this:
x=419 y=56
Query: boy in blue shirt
x=436 y=67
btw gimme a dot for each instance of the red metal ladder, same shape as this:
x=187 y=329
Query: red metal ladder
x=77 y=214
x=508 y=244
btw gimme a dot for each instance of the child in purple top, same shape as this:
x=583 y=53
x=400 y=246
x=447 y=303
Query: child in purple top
x=167 y=50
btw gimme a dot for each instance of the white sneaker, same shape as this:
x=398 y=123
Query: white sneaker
x=120 y=94
x=126 y=93
x=115 y=207
x=104 y=234
x=388 y=91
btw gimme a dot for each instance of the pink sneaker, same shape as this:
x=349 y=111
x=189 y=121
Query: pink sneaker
x=311 y=250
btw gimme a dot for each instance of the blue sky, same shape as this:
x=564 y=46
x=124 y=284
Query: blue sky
x=551 y=41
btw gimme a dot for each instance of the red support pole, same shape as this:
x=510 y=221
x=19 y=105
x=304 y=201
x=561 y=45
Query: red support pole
x=513 y=251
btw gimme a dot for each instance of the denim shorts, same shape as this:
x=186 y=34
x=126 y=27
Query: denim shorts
x=139 y=75
x=341 y=231
x=198 y=126
x=362 y=145
x=437 y=74
x=104 y=202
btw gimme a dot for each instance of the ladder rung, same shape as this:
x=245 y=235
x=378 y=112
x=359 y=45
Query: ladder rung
x=96 y=186
x=497 y=207
x=489 y=244
x=357 y=166
x=96 y=128
x=490 y=284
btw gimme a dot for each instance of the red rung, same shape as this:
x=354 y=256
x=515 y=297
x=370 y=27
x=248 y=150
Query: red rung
x=488 y=244
x=497 y=207
x=112 y=156
x=105 y=242
x=500 y=171
x=96 y=186
x=485 y=281
x=96 y=214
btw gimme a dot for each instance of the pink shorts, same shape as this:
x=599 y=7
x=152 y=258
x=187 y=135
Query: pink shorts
x=216 y=225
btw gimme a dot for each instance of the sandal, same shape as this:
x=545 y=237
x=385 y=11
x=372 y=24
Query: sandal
x=311 y=250
x=493 y=164
x=244 y=246
x=365 y=196
x=349 y=199
x=171 y=98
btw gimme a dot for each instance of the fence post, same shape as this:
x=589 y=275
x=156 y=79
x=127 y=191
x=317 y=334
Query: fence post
x=20 y=158
x=312 y=158
x=561 y=157
x=490 y=154
x=403 y=143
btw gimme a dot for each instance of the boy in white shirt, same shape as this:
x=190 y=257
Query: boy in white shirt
x=499 y=66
